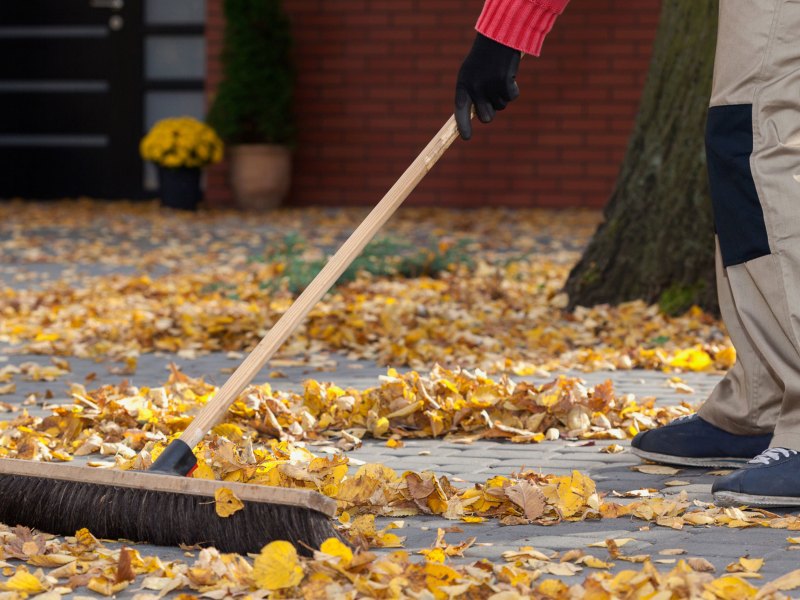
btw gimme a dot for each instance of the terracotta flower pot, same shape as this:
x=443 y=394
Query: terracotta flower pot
x=260 y=175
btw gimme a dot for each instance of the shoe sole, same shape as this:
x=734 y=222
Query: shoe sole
x=686 y=461
x=737 y=499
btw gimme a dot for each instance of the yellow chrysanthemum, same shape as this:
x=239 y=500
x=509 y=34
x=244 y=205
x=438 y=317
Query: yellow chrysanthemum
x=181 y=142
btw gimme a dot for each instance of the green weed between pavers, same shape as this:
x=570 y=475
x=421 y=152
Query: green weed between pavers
x=384 y=257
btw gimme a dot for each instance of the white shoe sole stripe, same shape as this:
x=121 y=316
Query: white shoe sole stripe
x=737 y=499
x=685 y=461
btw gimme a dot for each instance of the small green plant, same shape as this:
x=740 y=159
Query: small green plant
x=254 y=101
x=384 y=257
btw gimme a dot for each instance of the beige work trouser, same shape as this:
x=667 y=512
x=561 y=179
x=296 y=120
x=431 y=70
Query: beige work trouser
x=753 y=147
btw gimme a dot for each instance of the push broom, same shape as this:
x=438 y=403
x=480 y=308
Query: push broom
x=162 y=505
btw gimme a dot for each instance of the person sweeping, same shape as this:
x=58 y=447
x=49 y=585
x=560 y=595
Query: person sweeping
x=751 y=420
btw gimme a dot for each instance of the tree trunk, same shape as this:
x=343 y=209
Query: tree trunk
x=657 y=240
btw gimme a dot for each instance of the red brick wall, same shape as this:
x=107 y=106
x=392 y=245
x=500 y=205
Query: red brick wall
x=376 y=81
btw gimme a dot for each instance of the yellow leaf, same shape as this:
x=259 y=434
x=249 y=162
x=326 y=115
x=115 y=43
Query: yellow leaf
x=85 y=538
x=471 y=519
x=230 y=431
x=203 y=471
x=612 y=449
x=730 y=586
x=436 y=555
x=336 y=548
x=381 y=427
x=277 y=567
x=106 y=587
x=552 y=588
x=226 y=502
x=746 y=565
x=693 y=359
x=23 y=581
x=389 y=540
x=594 y=563
x=573 y=493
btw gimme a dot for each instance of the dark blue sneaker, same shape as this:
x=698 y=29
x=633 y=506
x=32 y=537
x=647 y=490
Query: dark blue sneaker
x=771 y=479
x=691 y=442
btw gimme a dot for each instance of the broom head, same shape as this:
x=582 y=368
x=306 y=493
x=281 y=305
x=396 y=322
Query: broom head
x=160 y=509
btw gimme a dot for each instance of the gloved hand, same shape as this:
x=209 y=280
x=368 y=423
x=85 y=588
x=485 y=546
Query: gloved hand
x=487 y=80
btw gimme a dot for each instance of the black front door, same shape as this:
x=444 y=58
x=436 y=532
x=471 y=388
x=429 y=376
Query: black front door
x=70 y=98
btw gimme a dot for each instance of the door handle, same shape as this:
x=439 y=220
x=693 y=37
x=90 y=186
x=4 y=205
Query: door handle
x=112 y=4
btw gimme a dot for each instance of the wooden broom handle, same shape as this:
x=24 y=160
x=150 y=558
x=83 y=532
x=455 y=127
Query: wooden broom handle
x=216 y=409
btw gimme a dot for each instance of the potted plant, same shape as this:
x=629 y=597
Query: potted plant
x=180 y=148
x=252 y=110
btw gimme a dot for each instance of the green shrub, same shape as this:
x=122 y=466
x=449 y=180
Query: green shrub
x=254 y=101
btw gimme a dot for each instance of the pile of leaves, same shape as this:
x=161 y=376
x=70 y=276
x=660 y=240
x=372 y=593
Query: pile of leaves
x=267 y=439
x=456 y=404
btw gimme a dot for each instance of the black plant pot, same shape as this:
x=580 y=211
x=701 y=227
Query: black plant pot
x=180 y=188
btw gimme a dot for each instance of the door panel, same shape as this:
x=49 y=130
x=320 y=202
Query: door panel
x=39 y=171
x=54 y=58
x=50 y=12
x=55 y=113
x=71 y=98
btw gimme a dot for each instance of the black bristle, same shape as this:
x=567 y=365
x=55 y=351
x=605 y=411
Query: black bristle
x=160 y=518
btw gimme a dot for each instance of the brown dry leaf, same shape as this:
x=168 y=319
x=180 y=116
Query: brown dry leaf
x=125 y=570
x=701 y=565
x=656 y=469
x=528 y=497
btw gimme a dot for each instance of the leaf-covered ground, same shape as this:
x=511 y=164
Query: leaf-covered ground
x=460 y=289
x=471 y=300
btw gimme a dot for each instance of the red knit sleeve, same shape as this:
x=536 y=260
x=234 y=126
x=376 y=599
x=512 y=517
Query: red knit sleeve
x=521 y=24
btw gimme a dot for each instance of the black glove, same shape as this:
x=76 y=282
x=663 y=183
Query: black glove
x=487 y=80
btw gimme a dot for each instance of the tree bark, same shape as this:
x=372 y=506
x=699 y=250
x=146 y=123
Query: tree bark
x=657 y=240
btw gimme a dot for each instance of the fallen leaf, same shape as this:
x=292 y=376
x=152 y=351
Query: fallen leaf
x=528 y=497
x=701 y=565
x=277 y=567
x=226 y=502
x=656 y=469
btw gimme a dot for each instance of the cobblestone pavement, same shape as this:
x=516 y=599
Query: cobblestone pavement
x=464 y=464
